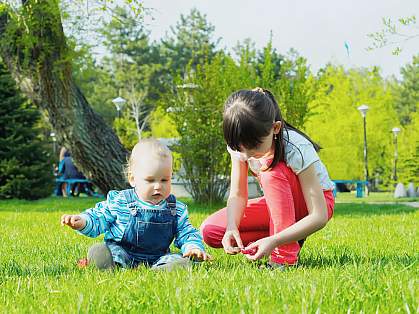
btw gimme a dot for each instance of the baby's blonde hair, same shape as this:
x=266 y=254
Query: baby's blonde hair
x=147 y=146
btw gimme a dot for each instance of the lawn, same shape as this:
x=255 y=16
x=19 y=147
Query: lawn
x=366 y=259
x=375 y=197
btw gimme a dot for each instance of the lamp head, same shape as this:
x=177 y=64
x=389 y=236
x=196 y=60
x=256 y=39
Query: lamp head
x=119 y=102
x=395 y=131
x=363 y=109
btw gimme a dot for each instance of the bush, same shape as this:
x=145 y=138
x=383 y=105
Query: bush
x=197 y=113
x=25 y=167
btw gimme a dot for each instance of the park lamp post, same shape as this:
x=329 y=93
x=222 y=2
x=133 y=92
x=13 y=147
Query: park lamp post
x=54 y=142
x=184 y=87
x=395 y=131
x=363 y=110
x=119 y=103
x=187 y=86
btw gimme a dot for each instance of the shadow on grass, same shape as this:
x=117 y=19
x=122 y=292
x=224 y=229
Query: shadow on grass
x=74 y=205
x=341 y=209
x=343 y=259
x=77 y=204
x=13 y=269
x=50 y=204
x=203 y=208
x=344 y=209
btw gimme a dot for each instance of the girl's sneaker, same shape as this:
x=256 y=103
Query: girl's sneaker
x=277 y=266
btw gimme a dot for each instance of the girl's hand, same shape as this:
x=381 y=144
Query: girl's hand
x=260 y=248
x=230 y=236
x=197 y=254
x=75 y=222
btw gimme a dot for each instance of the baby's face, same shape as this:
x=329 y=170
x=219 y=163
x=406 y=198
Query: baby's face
x=151 y=177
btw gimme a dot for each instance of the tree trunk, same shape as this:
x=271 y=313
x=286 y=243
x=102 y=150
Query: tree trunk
x=42 y=68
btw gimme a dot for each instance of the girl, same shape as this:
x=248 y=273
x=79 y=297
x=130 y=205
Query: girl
x=140 y=223
x=298 y=198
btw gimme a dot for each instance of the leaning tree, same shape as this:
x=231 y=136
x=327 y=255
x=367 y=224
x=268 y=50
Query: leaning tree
x=39 y=57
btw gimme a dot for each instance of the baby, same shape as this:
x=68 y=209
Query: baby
x=140 y=223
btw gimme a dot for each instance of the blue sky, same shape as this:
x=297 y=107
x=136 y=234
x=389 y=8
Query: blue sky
x=317 y=29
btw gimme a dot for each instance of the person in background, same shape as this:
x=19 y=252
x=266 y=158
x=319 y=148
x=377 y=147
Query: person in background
x=67 y=170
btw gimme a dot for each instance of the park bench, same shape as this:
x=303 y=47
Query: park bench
x=70 y=183
x=360 y=186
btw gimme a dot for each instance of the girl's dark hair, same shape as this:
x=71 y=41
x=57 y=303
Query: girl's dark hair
x=248 y=118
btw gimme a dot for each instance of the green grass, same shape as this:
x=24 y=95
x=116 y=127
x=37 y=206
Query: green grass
x=366 y=259
x=376 y=197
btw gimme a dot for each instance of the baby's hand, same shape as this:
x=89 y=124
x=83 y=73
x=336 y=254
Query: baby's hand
x=75 y=222
x=197 y=254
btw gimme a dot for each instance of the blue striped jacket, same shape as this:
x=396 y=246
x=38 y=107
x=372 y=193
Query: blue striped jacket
x=112 y=216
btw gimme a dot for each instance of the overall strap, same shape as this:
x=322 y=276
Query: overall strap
x=131 y=201
x=171 y=203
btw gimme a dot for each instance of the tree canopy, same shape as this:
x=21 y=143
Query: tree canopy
x=176 y=87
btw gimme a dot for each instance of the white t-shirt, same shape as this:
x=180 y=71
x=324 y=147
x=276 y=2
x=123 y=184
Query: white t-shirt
x=299 y=155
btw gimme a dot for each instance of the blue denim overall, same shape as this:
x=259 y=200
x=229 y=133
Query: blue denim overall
x=148 y=235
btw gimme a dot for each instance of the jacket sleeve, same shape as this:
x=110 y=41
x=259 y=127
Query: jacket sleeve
x=101 y=217
x=187 y=237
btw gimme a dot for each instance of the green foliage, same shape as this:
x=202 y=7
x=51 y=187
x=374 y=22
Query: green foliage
x=82 y=18
x=198 y=106
x=245 y=74
x=133 y=68
x=294 y=89
x=336 y=124
x=409 y=151
x=147 y=73
x=394 y=34
x=96 y=83
x=162 y=125
x=25 y=168
x=127 y=132
x=269 y=64
x=287 y=77
x=190 y=43
x=33 y=39
x=132 y=60
x=197 y=113
x=407 y=100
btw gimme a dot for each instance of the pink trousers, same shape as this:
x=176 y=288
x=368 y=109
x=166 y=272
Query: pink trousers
x=281 y=206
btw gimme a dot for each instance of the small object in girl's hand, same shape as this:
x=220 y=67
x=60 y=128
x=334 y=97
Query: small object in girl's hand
x=249 y=251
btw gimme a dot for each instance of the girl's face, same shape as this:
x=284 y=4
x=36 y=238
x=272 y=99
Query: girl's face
x=266 y=148
x=151 y=177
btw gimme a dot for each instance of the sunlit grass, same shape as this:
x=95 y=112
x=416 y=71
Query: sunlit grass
x=365 y=259
x=379 y=197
